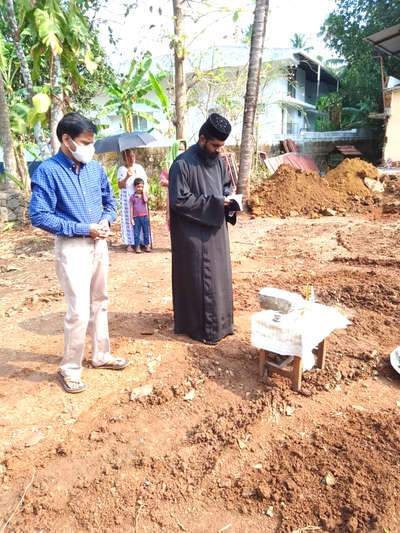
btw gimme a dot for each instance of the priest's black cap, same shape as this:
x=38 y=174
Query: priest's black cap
x=216 y=127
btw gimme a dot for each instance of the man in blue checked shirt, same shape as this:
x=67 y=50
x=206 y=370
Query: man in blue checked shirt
x=72 y=198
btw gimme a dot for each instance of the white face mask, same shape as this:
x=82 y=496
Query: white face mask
x=82 y=153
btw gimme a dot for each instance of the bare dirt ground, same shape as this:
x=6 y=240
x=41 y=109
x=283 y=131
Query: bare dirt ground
x=208 y=447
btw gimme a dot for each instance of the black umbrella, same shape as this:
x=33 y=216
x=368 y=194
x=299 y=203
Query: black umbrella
x=123 y=141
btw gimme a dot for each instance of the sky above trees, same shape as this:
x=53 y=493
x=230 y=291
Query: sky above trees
x=149 y=30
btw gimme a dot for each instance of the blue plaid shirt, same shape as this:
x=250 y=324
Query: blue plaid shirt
x=66 y=203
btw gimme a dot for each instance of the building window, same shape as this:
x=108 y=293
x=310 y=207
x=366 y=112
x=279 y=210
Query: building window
x=291 y=128
x=139 y=123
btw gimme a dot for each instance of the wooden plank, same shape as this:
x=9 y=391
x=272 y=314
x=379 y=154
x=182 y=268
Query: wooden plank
x=321 y=354
x=261 y=362
x=348 y=149
x=285 y=372
x=287 y=360
x=297 y=373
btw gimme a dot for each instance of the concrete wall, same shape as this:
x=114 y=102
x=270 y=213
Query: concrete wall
x=13 y=206
x=317 y=145
x=272 y=121
x=150 y=157
x=392 y=146
x=301 y=84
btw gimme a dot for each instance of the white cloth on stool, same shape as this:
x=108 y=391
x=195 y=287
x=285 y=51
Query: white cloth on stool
x=296 y=333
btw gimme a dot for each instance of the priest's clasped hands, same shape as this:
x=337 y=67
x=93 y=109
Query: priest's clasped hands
x=227 y=200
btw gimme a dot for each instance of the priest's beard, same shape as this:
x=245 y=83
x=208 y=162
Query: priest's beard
x=208 y=158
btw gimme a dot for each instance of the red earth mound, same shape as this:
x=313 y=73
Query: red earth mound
x=292 y=192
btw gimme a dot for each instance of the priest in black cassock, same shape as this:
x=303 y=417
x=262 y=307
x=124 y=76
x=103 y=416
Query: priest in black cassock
x=201 y=266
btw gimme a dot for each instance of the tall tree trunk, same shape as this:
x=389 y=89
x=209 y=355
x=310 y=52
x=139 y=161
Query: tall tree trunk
x=38 y=131
x=251 y=97
x=56 y=101
x=10 y=164
x=180 y=84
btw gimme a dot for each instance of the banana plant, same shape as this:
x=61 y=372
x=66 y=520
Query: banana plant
x=163 y=99
x=14 y=179
x=131 y=89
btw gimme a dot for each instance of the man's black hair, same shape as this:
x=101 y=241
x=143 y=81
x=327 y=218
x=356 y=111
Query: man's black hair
x=138 y=181
x=74 y=124
x=206 y=135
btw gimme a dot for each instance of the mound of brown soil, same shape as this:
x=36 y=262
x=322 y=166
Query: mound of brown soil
x=348 y=177
x=292 y=192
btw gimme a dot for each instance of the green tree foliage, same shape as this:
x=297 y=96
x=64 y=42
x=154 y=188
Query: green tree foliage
x=331 y=106
x=344 y=31
x=64 y=28
x=80 y=97
x=219 y=89
x=16 y=98
x=334 y=117
x=202 y=16
x=53 y=27
x=112 y=178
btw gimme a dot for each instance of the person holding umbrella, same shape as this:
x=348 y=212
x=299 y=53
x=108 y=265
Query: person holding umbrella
x=126 y=175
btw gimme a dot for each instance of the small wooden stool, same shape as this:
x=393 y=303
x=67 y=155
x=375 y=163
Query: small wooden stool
x=295 y=374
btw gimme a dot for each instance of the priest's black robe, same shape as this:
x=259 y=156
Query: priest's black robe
x=201 y=264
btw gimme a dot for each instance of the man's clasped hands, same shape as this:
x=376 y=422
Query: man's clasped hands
x=100 y=230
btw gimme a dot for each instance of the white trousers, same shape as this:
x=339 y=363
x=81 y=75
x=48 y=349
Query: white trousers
x=82 y=268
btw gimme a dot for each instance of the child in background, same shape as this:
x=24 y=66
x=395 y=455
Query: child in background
x=140 y=215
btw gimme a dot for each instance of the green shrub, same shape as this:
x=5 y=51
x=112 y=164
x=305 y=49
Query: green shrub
x=112 y=178
x=157 y=193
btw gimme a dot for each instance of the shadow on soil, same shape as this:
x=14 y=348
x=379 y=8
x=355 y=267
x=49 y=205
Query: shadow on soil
x=13 y=361
x=150 y=326
x=232 y=364
x=34 y=245
x=121 y=249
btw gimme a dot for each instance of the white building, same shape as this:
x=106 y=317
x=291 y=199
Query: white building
x=291 y=84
